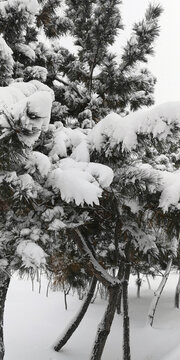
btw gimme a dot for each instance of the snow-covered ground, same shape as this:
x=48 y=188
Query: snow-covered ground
x=33 y=322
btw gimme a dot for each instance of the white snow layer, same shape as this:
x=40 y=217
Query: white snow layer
x=75 y=185
x=158 y=121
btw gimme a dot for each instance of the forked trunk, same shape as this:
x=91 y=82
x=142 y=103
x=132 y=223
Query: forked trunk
x=126 y=326
x=158 y=292
x=105 y=325
x=4 y=283
x=73 y=326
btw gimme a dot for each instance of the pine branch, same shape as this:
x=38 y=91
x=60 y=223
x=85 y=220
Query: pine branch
x=57 y=78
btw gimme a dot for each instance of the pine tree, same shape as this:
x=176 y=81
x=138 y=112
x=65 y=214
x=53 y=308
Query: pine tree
x=92 y=82
x=21 y=24
x=22 y=118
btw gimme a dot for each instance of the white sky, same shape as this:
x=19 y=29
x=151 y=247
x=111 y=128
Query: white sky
x=165 y=64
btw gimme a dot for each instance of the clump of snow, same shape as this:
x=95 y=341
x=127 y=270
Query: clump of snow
x=170 y=187
x=13 y=100
x=133 y=204
x=29 y=88
x=25 y=232
x=26 y=50
x=37 y=72
x=102 y=173
x=59 y=143
x=81 y=152
x=32 y=254
x=3 y=263
x=34 y=115
x=49 y=214
x=66 y=138
x=157 y=121
x=75 y=185
x=6 y=55
x=39 y=161
x=57 y=225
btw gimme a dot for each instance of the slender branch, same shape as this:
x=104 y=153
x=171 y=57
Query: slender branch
x=67 y=84
x=92 y=264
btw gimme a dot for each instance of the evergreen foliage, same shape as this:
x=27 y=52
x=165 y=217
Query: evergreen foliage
x=90 y=82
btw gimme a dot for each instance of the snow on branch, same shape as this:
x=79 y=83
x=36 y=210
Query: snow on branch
x=32 y=255
x=158 y=121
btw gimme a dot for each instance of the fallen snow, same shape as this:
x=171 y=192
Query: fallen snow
x=33 y=322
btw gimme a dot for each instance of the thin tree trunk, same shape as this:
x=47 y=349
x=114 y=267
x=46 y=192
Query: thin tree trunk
x=126 y=327
x=73 y=326
x=4 y=283
x=119 y=302
x=96 y=293
x=119 y=298
x=138 y=283
x=66 y=293
x=177 y=293
x=158 y=292
x=105 y=325
x=149 y=284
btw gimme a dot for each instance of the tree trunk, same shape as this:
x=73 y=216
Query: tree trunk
x=4 y=283
x=105 y=325
x=73 y=326
x=149 y=284
x=126 y=327
x=119 y=298
x=176 y=299
x=119 y=302
x=157 y=294
x=138 y=283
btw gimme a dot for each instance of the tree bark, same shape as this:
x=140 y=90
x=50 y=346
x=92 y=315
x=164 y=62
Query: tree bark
x=105 y=325
x=4 y=284
x=126 y=326
x=158 y=292
x=177 y=293
x=73 y=326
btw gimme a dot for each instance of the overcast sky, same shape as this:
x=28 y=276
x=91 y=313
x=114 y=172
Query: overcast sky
x=165 y=64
